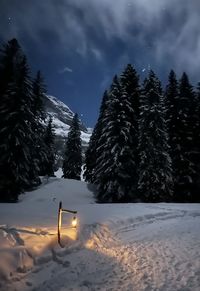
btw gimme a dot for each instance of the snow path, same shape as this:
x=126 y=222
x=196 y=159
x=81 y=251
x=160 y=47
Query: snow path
x=117 y=247
x=143 y=254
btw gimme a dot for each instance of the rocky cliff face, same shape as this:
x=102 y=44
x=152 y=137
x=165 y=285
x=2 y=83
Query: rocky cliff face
x=62 y=119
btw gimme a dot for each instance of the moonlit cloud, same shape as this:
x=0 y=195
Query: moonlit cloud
x=66 y=70
x=168 y=29
x=97 y=53
x=173 y=27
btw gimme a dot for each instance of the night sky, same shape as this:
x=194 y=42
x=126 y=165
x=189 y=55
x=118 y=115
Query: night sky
x=80 y=44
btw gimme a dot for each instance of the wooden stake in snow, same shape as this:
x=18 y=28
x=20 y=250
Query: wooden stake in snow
x=74 y=220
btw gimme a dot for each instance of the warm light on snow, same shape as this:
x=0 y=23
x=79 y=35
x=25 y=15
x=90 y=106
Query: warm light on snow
x=89 y=244
x=68 y=235
x=135 y=246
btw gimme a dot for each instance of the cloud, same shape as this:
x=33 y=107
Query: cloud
x=66 y=70
x=97 y=53
x=168 y=29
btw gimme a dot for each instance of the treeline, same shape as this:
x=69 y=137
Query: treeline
x=26 y=144
x=27 y=139
x=146 y=143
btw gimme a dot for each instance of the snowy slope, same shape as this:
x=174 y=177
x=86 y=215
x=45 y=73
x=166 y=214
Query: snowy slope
x=62 y=118
x=116 y=247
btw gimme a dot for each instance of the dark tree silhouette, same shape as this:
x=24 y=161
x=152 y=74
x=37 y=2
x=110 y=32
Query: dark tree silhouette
x=73 y=156
x=155 y=173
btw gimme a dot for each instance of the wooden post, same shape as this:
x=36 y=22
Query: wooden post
x=59 y=221
x=60 y=211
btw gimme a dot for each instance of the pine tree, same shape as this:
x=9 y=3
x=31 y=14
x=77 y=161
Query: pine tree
x=26 y=93
x=130 y=83
x=19 y=124
x=114 y=162
x=194 y=155
x=155 y=174
x=182 y=161
x=10 y=55
x=196 y=139
x=172 y=101
x=47 y=167
x=91 y=153
x=39 y=90
x=184 y=164
x=172 y=96
x=16 y=170
x=40 y=133
x=73 y=156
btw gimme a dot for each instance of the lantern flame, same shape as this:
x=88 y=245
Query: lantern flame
x=74 y=222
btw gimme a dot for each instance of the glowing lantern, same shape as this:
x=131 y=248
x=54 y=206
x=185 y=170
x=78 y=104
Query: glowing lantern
x=74 y=220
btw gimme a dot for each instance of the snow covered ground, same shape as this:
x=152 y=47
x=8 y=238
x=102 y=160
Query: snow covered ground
x=115 y=247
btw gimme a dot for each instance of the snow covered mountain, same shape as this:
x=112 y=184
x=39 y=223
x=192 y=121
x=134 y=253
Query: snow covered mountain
x=62 y=119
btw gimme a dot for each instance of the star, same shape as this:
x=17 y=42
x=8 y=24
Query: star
x=9 y=20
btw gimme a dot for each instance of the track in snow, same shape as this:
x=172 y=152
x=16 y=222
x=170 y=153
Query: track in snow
x=151 y=252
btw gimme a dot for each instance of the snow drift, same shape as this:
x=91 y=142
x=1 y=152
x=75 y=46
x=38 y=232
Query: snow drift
x=116 y=247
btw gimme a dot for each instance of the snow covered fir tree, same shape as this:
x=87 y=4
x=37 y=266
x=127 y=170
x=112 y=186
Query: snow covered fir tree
x=16 y=171
x=113 y=145
x=42 y=151
x=48 y=161
x=145 y=145
x=130 y=83
x=113 y=171
x=91 y=153
x=73 y=154
x=21 y=127
x=187 y=170
x=155 y=172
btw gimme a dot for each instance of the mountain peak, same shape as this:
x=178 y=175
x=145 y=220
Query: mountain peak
x=62 y=117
